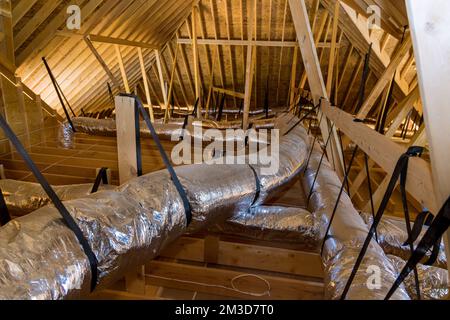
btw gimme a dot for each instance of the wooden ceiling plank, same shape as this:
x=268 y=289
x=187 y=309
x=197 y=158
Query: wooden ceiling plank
x=37 y=19
x=21 y=9
x=47 y=34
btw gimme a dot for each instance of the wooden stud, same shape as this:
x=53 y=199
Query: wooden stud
x=429 y=24
x=122 y=69
x=333 y=47
x=145 y=80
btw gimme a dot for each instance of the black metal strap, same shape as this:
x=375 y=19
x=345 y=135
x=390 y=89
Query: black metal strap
x=338 y=200
x=52 y=78
x=421 y=219
x=194 y=112
x=110 y=92
x=165 y=158
x=257 y=183
x=303 y=118
x=399 y=172
x=68 y=219
x=320 y=164
x=434 y=233
x=221 y=106
x=369 y=187
x=101 y=177
x=4 y=213
x=362 y=87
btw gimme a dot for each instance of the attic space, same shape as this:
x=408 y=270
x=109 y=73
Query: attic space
x=224 y=150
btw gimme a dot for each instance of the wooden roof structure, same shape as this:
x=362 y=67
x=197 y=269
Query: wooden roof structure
x=258 y=53
x=84 y=66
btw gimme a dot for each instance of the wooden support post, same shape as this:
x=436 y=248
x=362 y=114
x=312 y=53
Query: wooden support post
x=293 y=79
x=122 y=69
x=102 y=62
x=146 y=88
x=6 y=29
x=23 y=110
x=315 y=78
x=249 y=66
x=126 y=150
x=430 y=28
x=172 y=77
x=2 y=172
x=337 y=7
x=196 y=62
x=161 y=78
x=126 y=138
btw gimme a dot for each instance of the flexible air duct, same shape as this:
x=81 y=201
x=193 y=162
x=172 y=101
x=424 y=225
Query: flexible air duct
x=346 y=238
x=275 y=224
x=392 y=236
x=23 y=197
x=434 y=283
x=40 y=258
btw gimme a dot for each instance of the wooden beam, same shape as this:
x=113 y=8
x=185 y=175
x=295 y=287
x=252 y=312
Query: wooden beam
x=229 y=92
x=315 y=78
x=6 y=28
x=386 y=153
x=293 y=79
x=430 y=27
x=318 y=35
x=255 y=43
x=172 y=77
x=161 y=78
x=404 y=108
x=102 y=63
x=333 y=47
x=196 y=61
x=109 y=40
x=251 y=53
x=216 y=281
x=145 y=80
x=385 y=78
x=122 y=69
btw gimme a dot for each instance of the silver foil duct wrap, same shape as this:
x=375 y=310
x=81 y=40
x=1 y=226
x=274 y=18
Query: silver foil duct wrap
x=434 y=283
x=275 y=224
x=24 y=197
x=392 y=235
x=347 y=235
x=107 y=127
x=40 y=258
